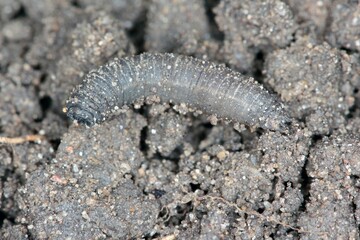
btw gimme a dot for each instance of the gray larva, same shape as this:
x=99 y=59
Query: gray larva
x=181 y=79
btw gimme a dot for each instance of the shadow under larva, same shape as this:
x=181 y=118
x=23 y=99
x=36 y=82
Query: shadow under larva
x=200 y=84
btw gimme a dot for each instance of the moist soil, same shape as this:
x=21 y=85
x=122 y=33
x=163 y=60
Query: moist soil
x=160 y=171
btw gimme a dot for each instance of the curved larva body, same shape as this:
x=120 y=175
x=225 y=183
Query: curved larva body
x=208 y=87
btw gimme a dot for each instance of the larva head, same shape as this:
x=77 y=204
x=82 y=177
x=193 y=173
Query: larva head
x=80 y=113
x=90 y=101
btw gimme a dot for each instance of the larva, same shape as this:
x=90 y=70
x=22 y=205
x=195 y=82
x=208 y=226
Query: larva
x=200 y=84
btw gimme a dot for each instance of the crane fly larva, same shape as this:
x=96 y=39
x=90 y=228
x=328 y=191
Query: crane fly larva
x=211 y=88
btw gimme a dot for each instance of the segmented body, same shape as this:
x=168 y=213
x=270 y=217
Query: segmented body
x=212 y=88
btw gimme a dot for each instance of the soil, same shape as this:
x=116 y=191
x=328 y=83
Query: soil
x=159 y=171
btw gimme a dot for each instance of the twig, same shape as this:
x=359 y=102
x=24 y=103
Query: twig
x=168 y=237
x=23 y=139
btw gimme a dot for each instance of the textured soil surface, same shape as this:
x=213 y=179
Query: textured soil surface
x=158 y=171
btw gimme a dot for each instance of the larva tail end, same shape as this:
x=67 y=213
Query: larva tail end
x=81 y=116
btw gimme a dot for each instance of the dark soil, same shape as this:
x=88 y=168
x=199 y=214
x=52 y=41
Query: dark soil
x=157 y=171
